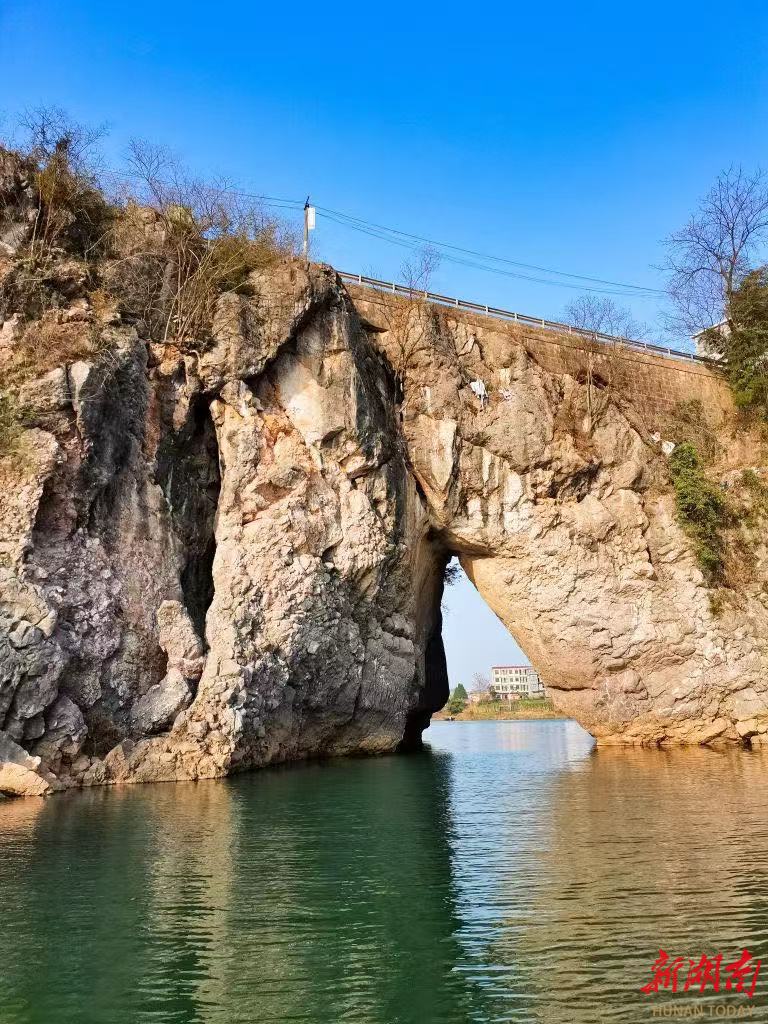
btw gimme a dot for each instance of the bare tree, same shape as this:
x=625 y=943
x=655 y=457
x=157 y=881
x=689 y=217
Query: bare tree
x=209 y=239
x=48 y=131
x=709 y=257
x=480 y=683
x=409 y=320
x=67 y=173
x=417 y=272
x=601 y=315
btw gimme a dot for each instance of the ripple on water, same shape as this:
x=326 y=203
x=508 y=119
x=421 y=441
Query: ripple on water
x=510 y=873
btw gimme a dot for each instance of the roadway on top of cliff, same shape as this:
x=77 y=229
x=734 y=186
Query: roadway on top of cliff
x=505 y=314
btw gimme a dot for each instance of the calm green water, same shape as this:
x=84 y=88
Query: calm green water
x=509 y=874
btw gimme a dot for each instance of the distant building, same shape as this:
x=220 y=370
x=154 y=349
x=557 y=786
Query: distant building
x=512 y=682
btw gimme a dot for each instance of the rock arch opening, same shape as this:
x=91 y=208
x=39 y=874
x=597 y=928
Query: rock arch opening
x=474 y=638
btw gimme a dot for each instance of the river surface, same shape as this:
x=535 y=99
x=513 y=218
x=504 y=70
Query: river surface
x=509 y=873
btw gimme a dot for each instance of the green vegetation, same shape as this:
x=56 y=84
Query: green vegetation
x=494 y=710
x=701 y=510
x=457 y=701
x=743 y=345
x=757 y=488
x=451 y=573
x=688 y=422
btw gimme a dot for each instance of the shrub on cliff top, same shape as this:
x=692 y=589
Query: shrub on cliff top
x=701 y=510
x=57 y=163
x=206 y=239
x=166 y=247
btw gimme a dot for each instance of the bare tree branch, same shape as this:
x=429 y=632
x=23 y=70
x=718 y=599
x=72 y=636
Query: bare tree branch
x=480 y=683
x=709 y=257
x=408 y=320
x=603 y=316
x=208 y=239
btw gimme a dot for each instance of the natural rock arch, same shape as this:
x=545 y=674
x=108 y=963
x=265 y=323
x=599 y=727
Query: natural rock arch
x=557 y=502
x=348 y=475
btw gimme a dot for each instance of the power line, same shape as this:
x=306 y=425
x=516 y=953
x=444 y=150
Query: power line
x=496 y=259
x=383 y=233
x=408 y=240
x=411 y=246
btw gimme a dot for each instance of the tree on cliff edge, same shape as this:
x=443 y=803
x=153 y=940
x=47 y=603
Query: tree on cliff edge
x=743 y=347
x=602 y=316
x=709 y=258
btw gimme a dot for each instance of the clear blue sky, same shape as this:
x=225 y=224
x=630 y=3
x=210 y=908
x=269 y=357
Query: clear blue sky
x=573 y=136
x=474 y=638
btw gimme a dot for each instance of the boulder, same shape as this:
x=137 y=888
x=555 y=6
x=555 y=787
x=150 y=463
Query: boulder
x=158 y=707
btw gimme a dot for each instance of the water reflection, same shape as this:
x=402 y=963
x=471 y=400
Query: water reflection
x=653 y=849
x=581 y=867
x=512 y=873
x=316 y=894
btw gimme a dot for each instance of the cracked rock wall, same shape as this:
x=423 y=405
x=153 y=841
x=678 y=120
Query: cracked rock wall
x=215 y=562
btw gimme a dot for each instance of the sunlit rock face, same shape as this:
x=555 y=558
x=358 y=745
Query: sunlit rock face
x=216 y=562
x=219 y=560
x=555 y=494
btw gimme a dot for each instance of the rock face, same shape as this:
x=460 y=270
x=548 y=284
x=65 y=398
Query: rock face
x=219 y=560
x=560 y=510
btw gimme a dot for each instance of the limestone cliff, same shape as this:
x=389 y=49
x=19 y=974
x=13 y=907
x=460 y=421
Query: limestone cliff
x=559 y=505
x=218 y=559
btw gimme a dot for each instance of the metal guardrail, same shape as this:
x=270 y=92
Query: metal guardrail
x=519 y=318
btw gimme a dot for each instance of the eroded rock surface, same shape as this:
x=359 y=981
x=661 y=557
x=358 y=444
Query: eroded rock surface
x=219 y=562
x=223 y=559
x=560 y=508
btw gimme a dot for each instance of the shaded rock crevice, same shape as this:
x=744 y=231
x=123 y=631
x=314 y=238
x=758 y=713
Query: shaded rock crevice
x=189 y=476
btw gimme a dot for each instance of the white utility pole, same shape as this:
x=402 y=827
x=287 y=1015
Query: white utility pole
x=309 y=225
